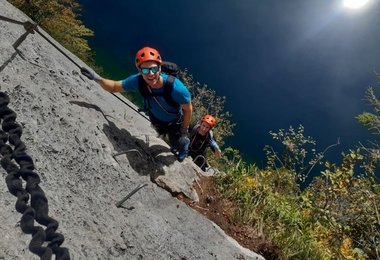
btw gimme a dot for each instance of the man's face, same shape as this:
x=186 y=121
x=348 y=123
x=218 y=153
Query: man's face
x=150 y=71
x=204 y=128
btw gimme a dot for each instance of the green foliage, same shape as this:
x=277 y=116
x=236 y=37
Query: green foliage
x=371 y=120
x=59 y=19
x=205 y=101
x=336 y=217
x=346 y=202
x=294 y=156
x=267 y=199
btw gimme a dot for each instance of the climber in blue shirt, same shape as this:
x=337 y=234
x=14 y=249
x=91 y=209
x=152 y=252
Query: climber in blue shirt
x=166 y=98
x=156 y=103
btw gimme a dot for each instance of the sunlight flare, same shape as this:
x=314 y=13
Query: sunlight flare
x=354 y=4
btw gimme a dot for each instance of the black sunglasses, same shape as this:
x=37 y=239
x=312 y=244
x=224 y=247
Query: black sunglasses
x=154 y=69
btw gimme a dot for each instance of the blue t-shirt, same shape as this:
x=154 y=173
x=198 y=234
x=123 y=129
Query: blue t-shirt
x=161 y=109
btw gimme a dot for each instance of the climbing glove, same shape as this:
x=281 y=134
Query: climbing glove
x=184 y=132
x=90 y=74
x=184 y=143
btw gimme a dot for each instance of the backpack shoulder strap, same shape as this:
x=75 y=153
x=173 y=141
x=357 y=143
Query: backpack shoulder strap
x=143 y=88
x=167 y=93
x=168 y=89
x=194 y=130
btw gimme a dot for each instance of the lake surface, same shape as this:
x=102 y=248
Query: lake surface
x=279 y=63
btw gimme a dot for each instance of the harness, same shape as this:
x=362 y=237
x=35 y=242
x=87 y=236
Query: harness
x=168 y=86
x=193 y=139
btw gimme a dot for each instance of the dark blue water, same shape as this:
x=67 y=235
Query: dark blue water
x=279 y=63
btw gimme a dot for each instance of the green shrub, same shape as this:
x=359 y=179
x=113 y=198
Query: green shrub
x=60 y=20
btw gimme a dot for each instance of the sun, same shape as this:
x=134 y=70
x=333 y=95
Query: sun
x=355 y=4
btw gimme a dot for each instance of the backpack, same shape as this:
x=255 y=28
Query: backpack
x=172 y=70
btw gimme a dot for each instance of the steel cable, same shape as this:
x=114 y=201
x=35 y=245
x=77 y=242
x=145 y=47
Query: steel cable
x=32 y=27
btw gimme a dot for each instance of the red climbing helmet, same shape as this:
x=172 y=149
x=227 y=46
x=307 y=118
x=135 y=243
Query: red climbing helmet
x=147 y=54
x=209 y=119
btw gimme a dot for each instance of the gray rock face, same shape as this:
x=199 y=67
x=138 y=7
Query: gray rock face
x=75 y=132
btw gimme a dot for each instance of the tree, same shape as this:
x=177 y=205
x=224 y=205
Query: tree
x=205 y=101
x=59 y=19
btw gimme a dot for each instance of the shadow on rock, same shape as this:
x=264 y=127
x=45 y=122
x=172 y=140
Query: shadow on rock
x=143 y=158
x=5 y=64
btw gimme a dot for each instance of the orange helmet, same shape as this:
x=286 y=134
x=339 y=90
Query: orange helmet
x=147 y=54
x=209 y=119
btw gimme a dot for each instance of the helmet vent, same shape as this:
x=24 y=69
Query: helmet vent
x=147 y=54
